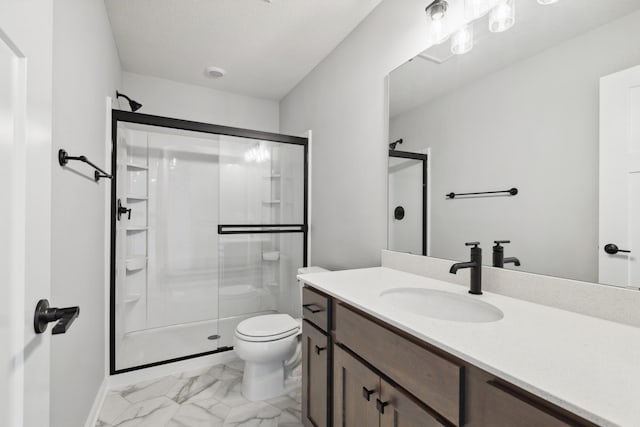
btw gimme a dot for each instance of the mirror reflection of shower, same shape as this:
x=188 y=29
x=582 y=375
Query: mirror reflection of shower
x=407 y=201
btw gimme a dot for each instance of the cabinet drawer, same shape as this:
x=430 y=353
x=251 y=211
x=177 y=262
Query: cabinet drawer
x=432 y=379
x=315 y=376
x=504 y=407
x=315 y=308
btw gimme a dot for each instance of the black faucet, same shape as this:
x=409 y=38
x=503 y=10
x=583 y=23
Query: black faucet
x=498 y=255
x=476 y=268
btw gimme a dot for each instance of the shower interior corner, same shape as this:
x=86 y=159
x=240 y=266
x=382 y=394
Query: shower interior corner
x=180 y=286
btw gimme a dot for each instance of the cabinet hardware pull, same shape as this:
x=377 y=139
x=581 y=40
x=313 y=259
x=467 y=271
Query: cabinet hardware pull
x=313 y=308
x=320 y=349
x=367 y=393
x=381 y=405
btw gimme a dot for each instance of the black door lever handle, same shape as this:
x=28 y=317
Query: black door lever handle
x=613 y=249
x=45 y=315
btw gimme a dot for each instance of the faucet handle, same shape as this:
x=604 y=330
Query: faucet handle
x=501 y=242
x=474 y=244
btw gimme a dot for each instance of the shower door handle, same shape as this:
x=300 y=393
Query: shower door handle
x=122 y=209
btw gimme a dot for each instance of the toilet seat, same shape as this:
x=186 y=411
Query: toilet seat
x=270 y=327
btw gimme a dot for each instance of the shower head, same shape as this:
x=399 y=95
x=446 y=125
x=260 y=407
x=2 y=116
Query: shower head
x=135 y=106
x=392 y=146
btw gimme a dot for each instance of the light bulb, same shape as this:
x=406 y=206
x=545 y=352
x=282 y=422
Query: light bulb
x=439 y=31
x=474 y=9
x=546 y=2
x=462 y=40
x=438 y=17
x=503 y=16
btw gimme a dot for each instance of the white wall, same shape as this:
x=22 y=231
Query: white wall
x=168 y=98
x=532 y=125
x=86 y=70
x=344 y=101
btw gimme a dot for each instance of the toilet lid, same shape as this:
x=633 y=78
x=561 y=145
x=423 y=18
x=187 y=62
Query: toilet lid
x=270 y=326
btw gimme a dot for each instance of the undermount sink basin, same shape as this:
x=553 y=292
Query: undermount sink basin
x=442 y=305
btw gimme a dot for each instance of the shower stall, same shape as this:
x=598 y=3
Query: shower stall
x=208 y=228
x=407 y=202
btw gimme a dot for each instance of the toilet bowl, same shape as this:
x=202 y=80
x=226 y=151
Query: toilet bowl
x=270 y=347
x=267 y=344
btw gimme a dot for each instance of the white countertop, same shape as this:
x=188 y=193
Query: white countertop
x=586 y=365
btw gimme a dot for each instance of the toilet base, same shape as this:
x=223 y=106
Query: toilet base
x=262 y=381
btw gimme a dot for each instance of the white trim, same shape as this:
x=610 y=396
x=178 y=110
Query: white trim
x=107 y=235
x=92 y=419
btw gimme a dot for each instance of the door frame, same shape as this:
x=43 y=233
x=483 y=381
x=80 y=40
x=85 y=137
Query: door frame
x=209 y=128
x=425 y=160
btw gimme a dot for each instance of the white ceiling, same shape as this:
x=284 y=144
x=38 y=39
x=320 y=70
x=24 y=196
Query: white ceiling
x=266 y=48
x=537 y=28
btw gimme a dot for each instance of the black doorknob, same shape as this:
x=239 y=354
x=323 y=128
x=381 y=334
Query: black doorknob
x=45 y=315
x=613 y=249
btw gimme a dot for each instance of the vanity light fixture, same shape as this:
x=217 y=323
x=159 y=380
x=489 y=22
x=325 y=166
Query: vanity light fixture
x=503 y=16
x=437 y=13
x=462 y=40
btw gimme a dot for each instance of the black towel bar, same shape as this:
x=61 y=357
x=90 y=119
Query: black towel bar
x=512 y=192
x=64 y=157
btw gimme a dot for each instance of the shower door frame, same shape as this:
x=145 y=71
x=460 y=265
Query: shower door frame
x=209 y=128
x=424 y=159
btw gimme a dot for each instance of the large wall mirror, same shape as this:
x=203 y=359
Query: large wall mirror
x=541 y=96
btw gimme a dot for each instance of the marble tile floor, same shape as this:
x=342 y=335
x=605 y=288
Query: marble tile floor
x=205 y=398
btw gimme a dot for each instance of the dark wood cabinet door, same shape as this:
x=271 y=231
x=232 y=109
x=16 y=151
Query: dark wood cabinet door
x=355 y=390
x=505 y=408
x=315 y=376
x=399 y=410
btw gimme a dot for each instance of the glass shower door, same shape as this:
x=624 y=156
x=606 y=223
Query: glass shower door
x=262 y=229
x=166 y=289
x=207 y=230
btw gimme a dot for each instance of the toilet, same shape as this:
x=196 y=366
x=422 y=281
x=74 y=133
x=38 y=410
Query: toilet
x=271 y=349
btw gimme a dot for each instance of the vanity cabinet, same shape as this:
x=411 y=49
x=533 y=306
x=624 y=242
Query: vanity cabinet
x=363 y=398
x=316 y=359
x=373 y=374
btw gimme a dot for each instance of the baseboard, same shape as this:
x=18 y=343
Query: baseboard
x=92 y=419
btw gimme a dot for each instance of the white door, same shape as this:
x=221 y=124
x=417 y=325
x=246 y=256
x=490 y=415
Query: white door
x=25 y=156
x=619 y=259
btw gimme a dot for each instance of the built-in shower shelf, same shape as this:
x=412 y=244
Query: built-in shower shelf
x=135 y=197
x=272 y=177
x=136 y=263
x=131 y=298
x=134 y=229
x=271 y=202
x=133 y=166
